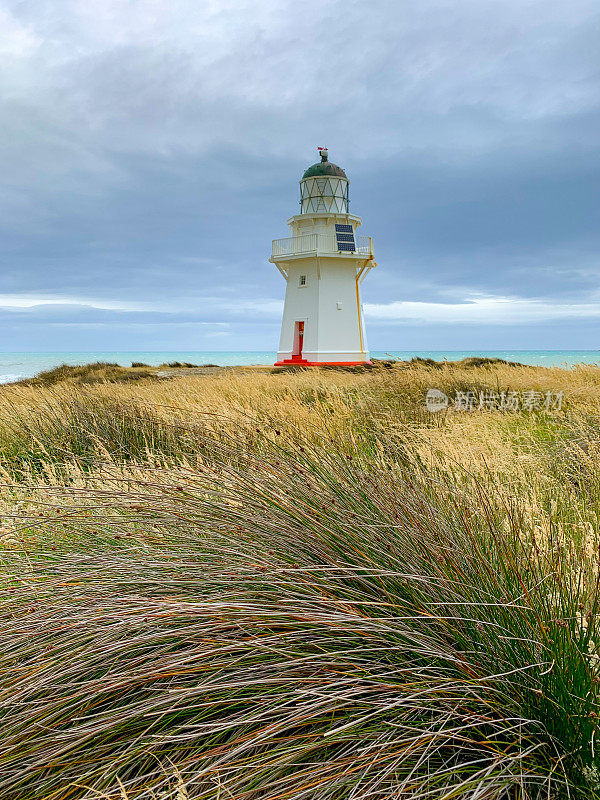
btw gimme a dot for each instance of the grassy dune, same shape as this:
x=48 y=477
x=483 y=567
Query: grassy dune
x=269 y=586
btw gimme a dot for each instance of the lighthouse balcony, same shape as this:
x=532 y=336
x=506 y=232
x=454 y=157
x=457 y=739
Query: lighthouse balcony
x=321 y=244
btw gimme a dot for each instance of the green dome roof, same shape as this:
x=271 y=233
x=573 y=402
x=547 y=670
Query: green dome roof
x=325 y=168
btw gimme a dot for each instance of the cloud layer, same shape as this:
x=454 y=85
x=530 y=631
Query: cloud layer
x=151 y=151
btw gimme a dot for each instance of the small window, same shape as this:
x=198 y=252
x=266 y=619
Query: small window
x=302 y=281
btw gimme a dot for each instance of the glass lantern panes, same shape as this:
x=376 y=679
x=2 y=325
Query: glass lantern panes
x=329 y=195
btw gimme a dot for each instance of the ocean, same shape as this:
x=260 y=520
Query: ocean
x=14 y=366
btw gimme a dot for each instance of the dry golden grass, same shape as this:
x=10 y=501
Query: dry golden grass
x=537 y=457
x=317 y=400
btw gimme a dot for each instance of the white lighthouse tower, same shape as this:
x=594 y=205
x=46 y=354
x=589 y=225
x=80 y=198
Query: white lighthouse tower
x=323 y=262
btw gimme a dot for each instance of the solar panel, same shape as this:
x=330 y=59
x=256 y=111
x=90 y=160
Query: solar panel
x=346 y=246
x=343 y=229
x=345 y=237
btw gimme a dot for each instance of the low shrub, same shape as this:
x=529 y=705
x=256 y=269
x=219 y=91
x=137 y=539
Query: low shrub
x=99 y=372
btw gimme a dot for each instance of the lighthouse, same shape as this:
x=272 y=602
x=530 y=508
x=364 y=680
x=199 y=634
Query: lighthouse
x=324 y=262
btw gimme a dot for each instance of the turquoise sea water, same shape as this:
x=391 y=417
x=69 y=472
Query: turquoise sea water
x=14 y=366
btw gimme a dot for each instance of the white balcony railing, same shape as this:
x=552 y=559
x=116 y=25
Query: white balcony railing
x=294 y=245
x=318 y=243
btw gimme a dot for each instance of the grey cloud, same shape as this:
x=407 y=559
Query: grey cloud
x=152 y=150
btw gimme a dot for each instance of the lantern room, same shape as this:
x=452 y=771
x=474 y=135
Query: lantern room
x=324 y=188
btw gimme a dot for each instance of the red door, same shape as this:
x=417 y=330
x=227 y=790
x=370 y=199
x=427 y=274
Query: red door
x=297 y=356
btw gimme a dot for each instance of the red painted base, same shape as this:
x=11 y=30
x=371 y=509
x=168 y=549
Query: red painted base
x=300 y=362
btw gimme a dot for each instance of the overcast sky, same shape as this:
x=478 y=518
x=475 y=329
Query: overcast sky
x=151 y=149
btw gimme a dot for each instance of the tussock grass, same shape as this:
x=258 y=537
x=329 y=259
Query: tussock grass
x=98 y=372
x=300 y=586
